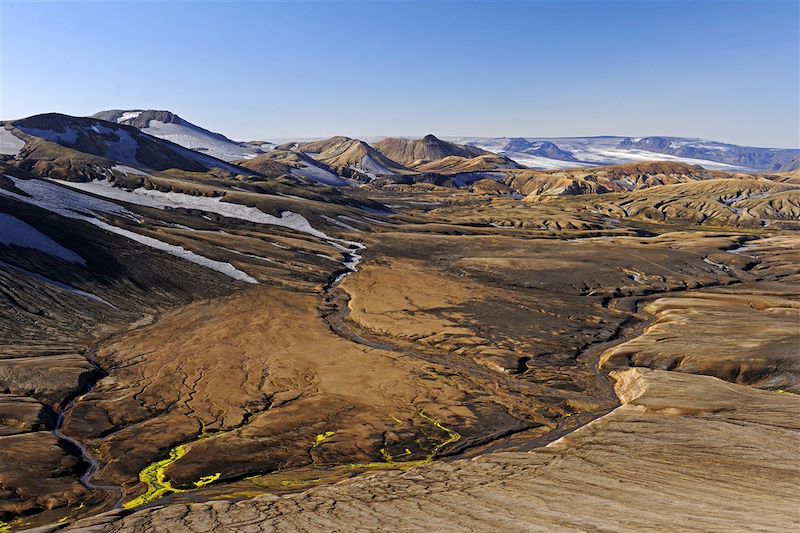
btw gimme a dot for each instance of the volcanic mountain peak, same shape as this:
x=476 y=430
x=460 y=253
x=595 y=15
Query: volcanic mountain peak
x=140 y=118
x=355 y=154
x=349 y=157
x=426 y=149
x=517 y=144
x=538 y=148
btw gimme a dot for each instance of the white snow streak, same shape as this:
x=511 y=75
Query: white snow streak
x=78 y=206
x=173 y=200
x=125 y=169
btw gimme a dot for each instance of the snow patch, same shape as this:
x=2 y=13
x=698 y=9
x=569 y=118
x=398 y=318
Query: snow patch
x=319 y=175
x=128 y=115
x=371 y=166
x=124 y=149
x=720 y=266
x=195 y=139
x=466 y=178
x=178 y=251
x=15 y=232
x=173 y=200
x=10 y=144
x=65 y=202
x=591 y=151
x=68 y=136
x=72 y=204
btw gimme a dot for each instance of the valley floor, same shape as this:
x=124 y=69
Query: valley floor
x=550 y=370
x=683 y=453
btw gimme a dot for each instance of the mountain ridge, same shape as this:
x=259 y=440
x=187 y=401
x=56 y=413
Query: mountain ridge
x=168 y=125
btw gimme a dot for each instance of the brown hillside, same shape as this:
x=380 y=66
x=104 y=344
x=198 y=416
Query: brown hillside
x=616 y=178
x=415 y=152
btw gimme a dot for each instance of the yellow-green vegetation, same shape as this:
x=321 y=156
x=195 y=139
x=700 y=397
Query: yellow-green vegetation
x=452 y=436
x=207 y=480
x=154 y=476
x=8 y=527
x=390 y=464
x=299 y=482
x=322 y=437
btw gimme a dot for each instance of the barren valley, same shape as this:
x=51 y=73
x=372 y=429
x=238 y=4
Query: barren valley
x=199 y=334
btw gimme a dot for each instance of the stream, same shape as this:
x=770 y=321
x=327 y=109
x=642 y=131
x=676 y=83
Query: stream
x=73 y=445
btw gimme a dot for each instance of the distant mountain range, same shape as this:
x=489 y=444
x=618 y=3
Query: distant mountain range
x=768 y=159
x=572 y=152
x=119 y=144
x=532 y=152
x=544 y=149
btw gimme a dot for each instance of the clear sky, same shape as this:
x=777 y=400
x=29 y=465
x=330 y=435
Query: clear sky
x=722 y=70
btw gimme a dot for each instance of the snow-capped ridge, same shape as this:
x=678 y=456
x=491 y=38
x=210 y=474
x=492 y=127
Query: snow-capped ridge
x=167 y=125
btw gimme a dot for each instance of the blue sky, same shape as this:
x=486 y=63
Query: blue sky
x=723 y=70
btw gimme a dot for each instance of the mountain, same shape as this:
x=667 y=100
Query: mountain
x=278 y=162
x=85 y=149
x=577 y=152
x=767 y=159
x=454 y=164
x=350 y=157
x=169 y=126
x=540 y=148
x=314 y=147
x=77 y=148
x=414 y=152
x=255 y=155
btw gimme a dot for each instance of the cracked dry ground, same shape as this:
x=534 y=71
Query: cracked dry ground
x=481 y=345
